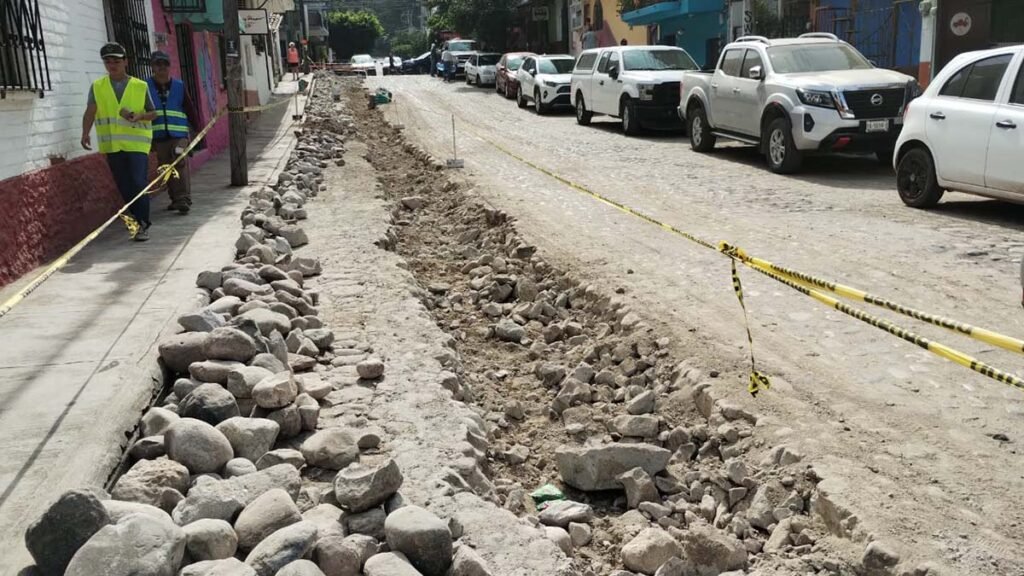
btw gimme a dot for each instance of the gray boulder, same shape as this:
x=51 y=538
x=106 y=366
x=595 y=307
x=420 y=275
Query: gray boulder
x=140 y=545
x=709 y=552
x=210 y=539
x=300 y=568
x=276 y=391
x=64 y=527
x=370 y=369
x=226 y=567
x=241 y=381
x=649 y=550
x=210 y=403
x=288 y=418
x=224 y=499
x=160 y=483
x=250 y=438
x=119 y=510
x=269 y=361
x=267 y=320
x=336 y=556
x=198 y=445
x=281 y=456
x=369 y=523
x=268 y=513
x=358 y=488
x=203 y=320
x=243 y=288
x=327 y=518
x=390 y=564
x=422 y=537
x=562 y=512
x=230 y=344
x=468 y=563
x=213 y=370
x=639 y=487
x=634 y=426
x=314 y=385
x=281 y=548
x=508 y=331
x=178 y=352
x=156 y=421
x=598 y=467
x=239 y=467
x=333 y=449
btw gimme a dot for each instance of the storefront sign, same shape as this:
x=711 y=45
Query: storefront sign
x=253 y=22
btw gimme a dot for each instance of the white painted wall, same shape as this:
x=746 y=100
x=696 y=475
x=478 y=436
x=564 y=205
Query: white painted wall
x=32 y=129
x=254 y=70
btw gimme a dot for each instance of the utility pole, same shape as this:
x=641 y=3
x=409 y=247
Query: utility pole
x=236 y=100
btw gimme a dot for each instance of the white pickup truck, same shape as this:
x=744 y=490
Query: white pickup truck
x=639 y=84
x=796 y=96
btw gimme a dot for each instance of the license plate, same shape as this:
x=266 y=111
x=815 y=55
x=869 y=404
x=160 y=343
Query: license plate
x=877 y=126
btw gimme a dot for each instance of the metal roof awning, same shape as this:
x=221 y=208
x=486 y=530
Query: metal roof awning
x=661 y=11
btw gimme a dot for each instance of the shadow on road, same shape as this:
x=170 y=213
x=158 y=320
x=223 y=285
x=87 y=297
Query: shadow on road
x=993 y=212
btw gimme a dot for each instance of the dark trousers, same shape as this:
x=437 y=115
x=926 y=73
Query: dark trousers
x=130 y=170
x=178 y=189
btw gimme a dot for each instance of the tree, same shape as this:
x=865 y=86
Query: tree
x=410 y=44
x=487 y=21
x=353 y=32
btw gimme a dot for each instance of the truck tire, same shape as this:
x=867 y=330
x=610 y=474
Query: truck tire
x=630 y=121
x=583 y=116
x=701 y=138
x=520 y=101
x=916 y=181
x=781 y=152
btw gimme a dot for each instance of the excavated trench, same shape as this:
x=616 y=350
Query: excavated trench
x=554 y=364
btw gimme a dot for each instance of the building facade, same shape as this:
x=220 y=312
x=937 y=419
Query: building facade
x=607 y=22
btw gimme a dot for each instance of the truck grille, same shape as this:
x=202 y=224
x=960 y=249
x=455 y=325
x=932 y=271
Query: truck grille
x=859 y=102
x=667 y=94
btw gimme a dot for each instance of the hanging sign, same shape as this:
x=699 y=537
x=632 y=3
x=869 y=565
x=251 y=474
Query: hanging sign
x=253 y=22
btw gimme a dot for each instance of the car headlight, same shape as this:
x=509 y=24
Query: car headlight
x=646 y=91
x=913 y=90
x=550 y=83
x=819 y=98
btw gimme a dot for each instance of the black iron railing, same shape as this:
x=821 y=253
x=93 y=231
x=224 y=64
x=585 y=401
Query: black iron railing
x=184 y=5
x=128 y=18
x=23 y=64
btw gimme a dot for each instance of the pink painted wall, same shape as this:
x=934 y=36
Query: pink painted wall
x=212 y=95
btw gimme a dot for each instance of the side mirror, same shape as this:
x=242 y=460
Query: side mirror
x=532 y=72
x=756 y=73
x=613 y=71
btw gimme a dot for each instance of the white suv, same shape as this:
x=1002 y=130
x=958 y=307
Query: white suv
x=544 y=81
x=966 y=132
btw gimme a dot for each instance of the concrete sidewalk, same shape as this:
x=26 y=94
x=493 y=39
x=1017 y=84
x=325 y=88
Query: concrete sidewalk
x=78 y=358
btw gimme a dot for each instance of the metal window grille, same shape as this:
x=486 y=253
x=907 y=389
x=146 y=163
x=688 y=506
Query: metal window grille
x=128 y=18
x=23 y=63
x=184 y=5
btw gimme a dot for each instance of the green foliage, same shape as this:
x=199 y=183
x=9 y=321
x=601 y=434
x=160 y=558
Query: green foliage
x=766 y=22
x=353 y=32
x=410 y=44
x=486 y=21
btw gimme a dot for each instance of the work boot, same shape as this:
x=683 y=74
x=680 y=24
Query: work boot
x=143 y=234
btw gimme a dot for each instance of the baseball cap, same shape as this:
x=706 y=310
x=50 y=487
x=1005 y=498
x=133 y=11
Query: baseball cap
x=159 y=56
x=112 y=50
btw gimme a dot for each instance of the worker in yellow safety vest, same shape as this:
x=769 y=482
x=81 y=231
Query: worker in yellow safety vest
x=122 y=110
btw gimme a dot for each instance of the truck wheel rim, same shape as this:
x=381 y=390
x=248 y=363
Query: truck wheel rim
x=777 y=147
x=697 y=130
x=579 y=109
x=626 y=120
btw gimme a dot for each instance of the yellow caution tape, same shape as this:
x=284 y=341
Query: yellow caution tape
x=805 y=284
x=164 y=173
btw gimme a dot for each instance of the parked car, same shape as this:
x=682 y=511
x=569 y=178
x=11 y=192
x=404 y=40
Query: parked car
x=505 y=80
x=387 y=68
x=966 y=132
x=481 y=68
x=363 y=63
x=639 y=84
x=544 y=81
x=796 y=96
x=462 y=49
x=417 y=65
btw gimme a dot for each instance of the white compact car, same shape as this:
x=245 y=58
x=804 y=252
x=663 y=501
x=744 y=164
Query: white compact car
x=966 y=132
x=544 y=81
x=481 y=68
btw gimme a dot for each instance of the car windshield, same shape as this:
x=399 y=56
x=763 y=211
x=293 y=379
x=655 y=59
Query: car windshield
x=489 y=59
x=461 y=46
x=514 y=62
x=362 y=59
x=657 y=60
x=555 y=65
x=815 y=58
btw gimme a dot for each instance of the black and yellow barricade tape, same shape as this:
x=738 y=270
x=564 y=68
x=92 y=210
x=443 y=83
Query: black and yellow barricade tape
x=807 y=284
x=164 y=173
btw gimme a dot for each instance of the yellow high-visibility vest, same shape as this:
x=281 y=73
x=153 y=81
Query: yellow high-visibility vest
x=115 y=133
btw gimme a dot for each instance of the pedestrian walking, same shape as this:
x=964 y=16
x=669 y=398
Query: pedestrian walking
x=449 y=65
x=293 y=60
x=433 y=59
x=121 y=108
x=588 y=39
x=175 y=114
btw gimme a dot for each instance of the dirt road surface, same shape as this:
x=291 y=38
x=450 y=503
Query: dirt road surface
x=923 y=452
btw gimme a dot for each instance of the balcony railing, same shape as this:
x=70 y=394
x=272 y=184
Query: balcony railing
x=23 y=63
x=184 y=5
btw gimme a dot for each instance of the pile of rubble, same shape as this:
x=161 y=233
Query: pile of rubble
x=238 y=473
x=581 y=396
